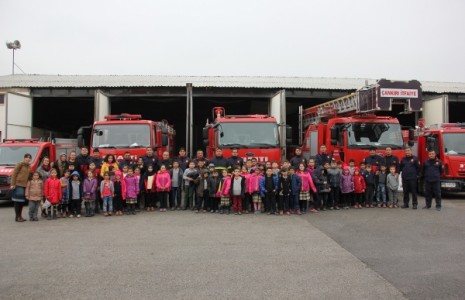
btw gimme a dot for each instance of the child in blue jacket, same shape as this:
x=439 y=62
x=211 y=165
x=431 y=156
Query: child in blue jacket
x=268 y=188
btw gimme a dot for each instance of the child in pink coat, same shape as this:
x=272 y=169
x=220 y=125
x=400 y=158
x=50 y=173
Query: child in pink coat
x=307 y=184
x=132 y=190
x=225 y=193
x=252 y=188
x=163 y=183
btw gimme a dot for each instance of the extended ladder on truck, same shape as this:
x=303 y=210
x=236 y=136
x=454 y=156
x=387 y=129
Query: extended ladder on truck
x=369 y=99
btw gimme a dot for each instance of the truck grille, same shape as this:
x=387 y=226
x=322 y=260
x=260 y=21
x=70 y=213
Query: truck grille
x=3 y=180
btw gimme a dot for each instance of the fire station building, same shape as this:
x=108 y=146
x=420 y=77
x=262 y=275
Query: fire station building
x=39 y=105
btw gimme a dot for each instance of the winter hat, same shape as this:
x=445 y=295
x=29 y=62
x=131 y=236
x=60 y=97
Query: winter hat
x=118 y=173
x=357 y=169
x=346 y=168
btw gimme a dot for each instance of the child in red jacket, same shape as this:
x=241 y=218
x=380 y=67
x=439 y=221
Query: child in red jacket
x=359 y=188
x=52 y=193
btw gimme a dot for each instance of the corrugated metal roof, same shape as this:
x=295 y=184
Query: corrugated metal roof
x=306 y=83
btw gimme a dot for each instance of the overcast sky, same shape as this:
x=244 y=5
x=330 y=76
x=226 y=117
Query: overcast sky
x=396 y=39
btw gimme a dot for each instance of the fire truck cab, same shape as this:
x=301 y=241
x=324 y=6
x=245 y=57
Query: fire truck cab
x=349 y=126
x=122 y=133
x=447 y=140
x=255 y=136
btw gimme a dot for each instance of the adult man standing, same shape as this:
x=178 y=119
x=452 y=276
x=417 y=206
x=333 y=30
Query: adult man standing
x=235 y=161
x=410 y=168
x=219 y=161
x=199 y=156
x=83 y=159
x=150 y=159
x=390 y=160
x=298 y=159
x=322 y=157
x=432 y=169
x=182 y=159
x=374 y=160
x=127 y=160
x=166 y=161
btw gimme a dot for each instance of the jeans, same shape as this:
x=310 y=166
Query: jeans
x=189 y=203
x=433 y=189
x=295 y=201
x=175 y=197
x=381 y=193
x=107 y=204
x=334 y=196
x=369 y=194
x=33 y=208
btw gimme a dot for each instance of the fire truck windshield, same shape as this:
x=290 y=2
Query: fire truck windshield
x=121 y=136
x=380 y=135
x=10 y=155
x=453 y=143
x=248 y=134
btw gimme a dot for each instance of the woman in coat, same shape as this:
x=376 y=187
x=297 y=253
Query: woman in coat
x=19 y=180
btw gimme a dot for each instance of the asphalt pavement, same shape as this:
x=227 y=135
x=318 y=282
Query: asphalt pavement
x=351 y=254
x=180 y=255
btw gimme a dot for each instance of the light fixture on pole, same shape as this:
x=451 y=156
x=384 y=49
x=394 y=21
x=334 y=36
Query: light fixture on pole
x=14 y=46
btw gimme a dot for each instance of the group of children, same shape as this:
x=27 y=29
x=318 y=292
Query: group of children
x=281 y=190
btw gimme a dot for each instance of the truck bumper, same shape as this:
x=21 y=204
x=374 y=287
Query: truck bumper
x=453 y=185
x=5 y=193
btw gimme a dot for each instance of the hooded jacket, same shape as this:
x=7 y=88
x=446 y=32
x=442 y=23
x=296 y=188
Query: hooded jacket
x=70 y=185
x=253 y=183
x=307 y=182
x=145 y=181
x=347 y=182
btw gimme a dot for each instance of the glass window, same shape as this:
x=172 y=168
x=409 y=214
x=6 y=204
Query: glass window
x=121 y=136
x=380 y=135
x=453 y=143
x=248 y=134
x=10 y=155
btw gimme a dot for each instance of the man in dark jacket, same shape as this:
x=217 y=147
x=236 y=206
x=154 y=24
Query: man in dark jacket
x=182 y=159
x=322 y=157
x=432 y=169
x=166 y=161
x=410 y=168
x=150 y=159
x=83 y=159
x=373 y=159
x=296 y=184
x=235 y=161
x=298 y=159
x=219 y=161
x=127 y=160
x=390 y=160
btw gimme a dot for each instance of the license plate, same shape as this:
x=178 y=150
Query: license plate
x=448 y=184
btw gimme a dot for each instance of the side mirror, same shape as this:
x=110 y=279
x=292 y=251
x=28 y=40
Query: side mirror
x=164 y=140
x=430 y=143
x=334 y=135
x=205 y=133
x=288 y=135
x=164 y=130
x=80 y=141
x=410 y=143
x=205 y=142
x=411 y=134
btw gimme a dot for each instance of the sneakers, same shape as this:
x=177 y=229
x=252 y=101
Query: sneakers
x=78 y=216
x=313 y=210
x=426 y=207
x=438 y=208
x=404 y=206
x=414 y=206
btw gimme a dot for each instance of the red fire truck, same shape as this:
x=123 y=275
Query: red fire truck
x=255 y=136
x=126 y=132
x=12 y=151
x=349 y=126
x=448 y=141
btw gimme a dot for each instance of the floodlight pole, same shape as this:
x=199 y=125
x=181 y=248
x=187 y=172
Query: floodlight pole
x=13 y=70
